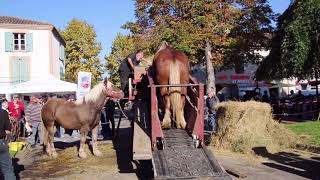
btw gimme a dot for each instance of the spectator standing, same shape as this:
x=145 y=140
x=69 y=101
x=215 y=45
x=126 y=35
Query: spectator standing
x=33 y=117
x=5 y=160
x=265 y=97
x=110 y=108
x=4 y=105
x=16 y=110
x=16 y=107
x=211 y=101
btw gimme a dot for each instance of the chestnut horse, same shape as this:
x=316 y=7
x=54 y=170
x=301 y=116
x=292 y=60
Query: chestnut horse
x=171 y=67
x=83 y=115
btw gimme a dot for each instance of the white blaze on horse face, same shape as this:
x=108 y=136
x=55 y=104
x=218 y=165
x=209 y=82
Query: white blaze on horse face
x=109 y=86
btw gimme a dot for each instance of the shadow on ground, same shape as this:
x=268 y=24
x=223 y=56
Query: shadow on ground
x=291 y=162
x=123 y=146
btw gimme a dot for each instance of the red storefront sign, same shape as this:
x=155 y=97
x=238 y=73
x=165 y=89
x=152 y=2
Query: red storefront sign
x=234 y=77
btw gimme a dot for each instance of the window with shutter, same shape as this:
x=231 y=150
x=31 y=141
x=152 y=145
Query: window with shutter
x=62 y=53
x=19 y=41
x=19 y=70
x=24 y=69
x=29 y=37
x=15 y=71
x=8 y=41
x=61 y=73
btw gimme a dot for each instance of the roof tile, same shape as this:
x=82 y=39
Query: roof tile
x=15 y=20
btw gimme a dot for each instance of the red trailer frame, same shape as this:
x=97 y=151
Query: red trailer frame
x=194 y=108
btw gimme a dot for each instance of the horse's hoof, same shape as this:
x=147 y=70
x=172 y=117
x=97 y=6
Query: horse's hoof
x=82 y=155
x=165 y=125
x=182 y=125
x=97 y=153
x=54 y=155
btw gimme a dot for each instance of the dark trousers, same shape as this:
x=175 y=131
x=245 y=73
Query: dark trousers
x=109 y=118
x=6 y=162
x=105 y=126
x=125 y=74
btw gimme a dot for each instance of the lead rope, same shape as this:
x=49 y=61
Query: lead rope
x=118 y=102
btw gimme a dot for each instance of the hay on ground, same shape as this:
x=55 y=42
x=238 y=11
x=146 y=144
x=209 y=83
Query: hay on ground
x=244 y=125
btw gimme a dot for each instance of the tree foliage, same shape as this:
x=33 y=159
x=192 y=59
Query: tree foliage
x=122 y=46
x=295 y=46
x=82 y=50
x=233 y=27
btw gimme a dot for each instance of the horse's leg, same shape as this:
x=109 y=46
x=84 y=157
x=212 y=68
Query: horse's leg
x=50 y=147
x=166 y=123
x=84 y=133
x=47 y=142
x=181 y=122
x=95 y=150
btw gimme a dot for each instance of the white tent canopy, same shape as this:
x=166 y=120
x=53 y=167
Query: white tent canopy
x=4 y=89
x=46 y=84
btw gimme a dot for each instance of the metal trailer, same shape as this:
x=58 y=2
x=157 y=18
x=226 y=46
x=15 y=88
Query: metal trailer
x=175 y=153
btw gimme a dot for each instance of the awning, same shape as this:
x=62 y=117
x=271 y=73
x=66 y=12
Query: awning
x=46 y=84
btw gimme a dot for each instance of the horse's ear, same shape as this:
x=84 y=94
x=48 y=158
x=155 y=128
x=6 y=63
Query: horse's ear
x=105 y=81
x=163 y=46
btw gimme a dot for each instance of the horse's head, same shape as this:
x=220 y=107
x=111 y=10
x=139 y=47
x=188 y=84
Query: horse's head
x=111 y=90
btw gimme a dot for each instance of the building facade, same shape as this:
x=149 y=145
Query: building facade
x=28 y=50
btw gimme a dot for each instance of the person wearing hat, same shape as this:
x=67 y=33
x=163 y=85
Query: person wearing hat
x=33 y=117
x=5 y=160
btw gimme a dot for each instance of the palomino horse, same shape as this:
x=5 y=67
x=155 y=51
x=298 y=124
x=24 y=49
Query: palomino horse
x=83 y=114
x=171 y=67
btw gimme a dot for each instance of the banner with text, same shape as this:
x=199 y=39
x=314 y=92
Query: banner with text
x=84 y=84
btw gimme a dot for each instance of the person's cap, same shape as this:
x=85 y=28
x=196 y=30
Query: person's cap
x=15 y=96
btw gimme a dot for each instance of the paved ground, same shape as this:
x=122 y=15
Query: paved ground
x=116 y=163
x=278 y=166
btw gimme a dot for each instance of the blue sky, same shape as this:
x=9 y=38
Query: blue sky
x=105 y=15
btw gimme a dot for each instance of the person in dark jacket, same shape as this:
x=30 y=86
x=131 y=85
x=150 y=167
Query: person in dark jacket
x=211 y=101
x=126 y=69
x=5 y=160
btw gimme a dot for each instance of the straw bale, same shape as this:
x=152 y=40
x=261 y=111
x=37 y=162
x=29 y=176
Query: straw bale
x=244 y=125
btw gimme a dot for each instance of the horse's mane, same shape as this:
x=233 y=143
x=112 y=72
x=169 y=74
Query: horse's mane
x=93 y=96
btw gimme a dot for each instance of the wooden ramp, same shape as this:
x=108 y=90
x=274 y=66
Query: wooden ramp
x=181 y=160
x=141 y=132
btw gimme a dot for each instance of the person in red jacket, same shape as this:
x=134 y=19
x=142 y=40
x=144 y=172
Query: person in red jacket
x=16 y=109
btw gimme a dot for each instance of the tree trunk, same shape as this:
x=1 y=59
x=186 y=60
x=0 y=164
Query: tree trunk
x=211 y=80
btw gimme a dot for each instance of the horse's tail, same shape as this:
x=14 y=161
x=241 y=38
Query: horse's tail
x=45 y=133
x=175 y=92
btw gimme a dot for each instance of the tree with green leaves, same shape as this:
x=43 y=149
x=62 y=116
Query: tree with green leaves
x=207 y=31
x=295 y=46
x=82 y=50
x=122 y=46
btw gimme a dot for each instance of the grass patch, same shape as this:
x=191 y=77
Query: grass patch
x=309 y=132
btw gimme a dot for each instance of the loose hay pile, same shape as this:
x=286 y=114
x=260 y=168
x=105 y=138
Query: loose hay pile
x=69 y=165
x=244 y=125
